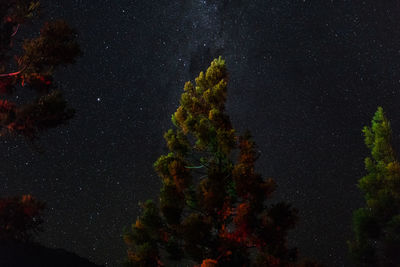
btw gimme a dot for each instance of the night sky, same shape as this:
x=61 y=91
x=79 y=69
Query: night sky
x=305 y=77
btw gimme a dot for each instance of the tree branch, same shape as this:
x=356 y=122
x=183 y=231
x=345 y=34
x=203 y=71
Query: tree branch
x=195 y=167
x=10 y=74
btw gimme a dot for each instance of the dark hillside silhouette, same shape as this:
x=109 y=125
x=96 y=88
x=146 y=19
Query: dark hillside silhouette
x=17 y=254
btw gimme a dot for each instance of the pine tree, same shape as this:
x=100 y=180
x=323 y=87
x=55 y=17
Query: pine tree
x=212 y=206
x=34 y=67
x=377 y=225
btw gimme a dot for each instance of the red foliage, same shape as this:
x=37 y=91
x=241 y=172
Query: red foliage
x=56 y=45
x=20 y=217
x=6 y=106
x=209 y=263
x=226 y=210
x=8 y=19
x=38 y=82
x=242 y=211
x=164 y=236
x=241 y=234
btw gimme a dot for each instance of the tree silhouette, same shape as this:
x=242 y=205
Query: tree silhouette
x=20 y=217
x=34 y=67
x=25 y=66
x=377 y=225
x=212 y=205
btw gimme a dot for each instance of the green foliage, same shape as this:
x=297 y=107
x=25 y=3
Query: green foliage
x=177 y=141
x=365 y=225
x=213 y=204
x=376 y=225
x=144 y=236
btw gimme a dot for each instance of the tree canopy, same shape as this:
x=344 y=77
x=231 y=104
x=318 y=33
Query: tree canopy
x=213 y=205
x=27 y=68
x=377 y=225
x=30 y=65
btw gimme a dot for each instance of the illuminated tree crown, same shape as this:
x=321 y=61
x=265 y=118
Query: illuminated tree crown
x=212 y=205
x=377 y=225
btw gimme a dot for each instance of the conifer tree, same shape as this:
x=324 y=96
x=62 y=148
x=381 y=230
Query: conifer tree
x=32 y=69
x=212 y=207
x=377 y=225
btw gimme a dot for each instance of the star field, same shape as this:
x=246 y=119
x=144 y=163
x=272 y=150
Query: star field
x=305 y=77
